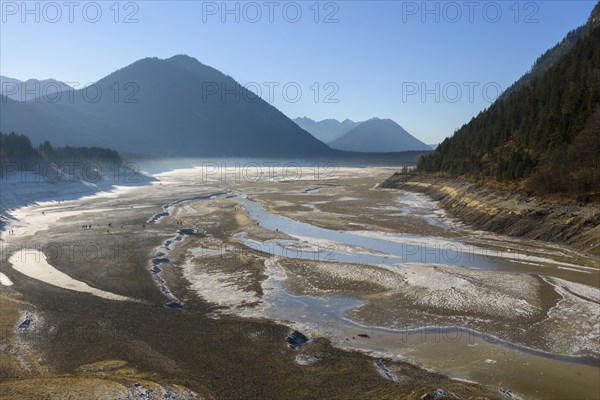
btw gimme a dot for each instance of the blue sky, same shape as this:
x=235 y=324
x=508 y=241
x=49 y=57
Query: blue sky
x=423 y=64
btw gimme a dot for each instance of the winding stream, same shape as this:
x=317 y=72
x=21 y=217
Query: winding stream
x=381 y=248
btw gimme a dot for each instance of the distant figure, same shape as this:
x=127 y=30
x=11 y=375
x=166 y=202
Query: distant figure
x=109 y=224
x=143 y=226
x=107 y=231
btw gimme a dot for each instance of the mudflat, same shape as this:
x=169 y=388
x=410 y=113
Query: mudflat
x=188 y=288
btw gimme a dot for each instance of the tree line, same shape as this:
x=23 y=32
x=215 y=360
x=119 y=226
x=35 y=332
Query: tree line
x=19 y=151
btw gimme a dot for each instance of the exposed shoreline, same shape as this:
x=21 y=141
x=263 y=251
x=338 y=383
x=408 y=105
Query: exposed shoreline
x=508 y=212
x=214 y=359
x=223 y=283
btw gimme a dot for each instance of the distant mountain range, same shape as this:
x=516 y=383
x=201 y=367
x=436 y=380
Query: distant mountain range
x=372 y=136
x=326 y=130
x=167 y=107
x=378 y=136
x=30 y=89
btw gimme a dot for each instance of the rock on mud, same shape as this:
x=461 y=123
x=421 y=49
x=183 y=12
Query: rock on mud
x=296 y=339
x=384 y=371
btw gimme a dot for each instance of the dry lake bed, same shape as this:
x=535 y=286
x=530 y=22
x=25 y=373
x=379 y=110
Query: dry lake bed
x=296 y=283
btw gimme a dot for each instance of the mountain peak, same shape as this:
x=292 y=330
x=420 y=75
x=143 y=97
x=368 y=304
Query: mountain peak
x=184 y=59
x=383 y=122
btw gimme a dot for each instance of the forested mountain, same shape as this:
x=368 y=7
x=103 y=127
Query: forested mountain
x=545 y=134
x=168 y=107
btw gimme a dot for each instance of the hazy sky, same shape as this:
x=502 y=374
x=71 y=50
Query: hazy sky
x=430 y=66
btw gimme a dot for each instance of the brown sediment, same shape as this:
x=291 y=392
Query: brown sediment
x=88 y=344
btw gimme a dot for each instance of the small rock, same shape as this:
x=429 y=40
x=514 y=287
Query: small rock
x=296 y=339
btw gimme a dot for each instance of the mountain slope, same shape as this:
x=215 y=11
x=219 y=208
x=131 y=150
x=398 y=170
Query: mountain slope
x=175 y=107
x=326 y=130
x=378 y=136
x=545 y=134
